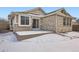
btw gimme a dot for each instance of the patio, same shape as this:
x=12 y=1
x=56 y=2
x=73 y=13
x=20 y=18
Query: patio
x=30 y=34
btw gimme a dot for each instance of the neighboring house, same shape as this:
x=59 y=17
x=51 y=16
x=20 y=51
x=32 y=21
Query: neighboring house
x=37 y=19
x=75 y=22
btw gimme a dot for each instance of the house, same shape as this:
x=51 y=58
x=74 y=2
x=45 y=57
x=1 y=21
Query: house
x=75 y=22
x=36 y=19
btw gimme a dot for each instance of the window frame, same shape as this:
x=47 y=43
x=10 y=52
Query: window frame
x=67 y=21
x=64 y=21
x=25 y=16
x=70 y=20
x=25 y=21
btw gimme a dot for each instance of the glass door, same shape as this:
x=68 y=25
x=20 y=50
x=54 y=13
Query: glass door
x=35 y=23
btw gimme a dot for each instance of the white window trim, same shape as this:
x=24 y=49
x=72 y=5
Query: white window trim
x=19 y=17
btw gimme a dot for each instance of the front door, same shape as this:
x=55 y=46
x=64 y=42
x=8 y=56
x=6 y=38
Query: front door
x=35 y=24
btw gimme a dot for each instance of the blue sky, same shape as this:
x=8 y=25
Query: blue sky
x=4 y=11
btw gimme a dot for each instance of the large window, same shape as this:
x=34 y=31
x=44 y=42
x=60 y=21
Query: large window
x=64 y=21
x=24 y=20
x=70 y=21
x=67 y=21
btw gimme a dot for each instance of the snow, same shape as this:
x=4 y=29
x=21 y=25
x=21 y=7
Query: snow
x=31 y=32
x=8 y=37
x=45 y=43
x=73 y=34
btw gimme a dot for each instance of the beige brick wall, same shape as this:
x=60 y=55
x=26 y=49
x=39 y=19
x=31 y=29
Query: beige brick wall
x=49 y=23
x=60 y=27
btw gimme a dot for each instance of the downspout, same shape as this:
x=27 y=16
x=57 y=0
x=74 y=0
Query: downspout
x=31 y=21
x=56 y=23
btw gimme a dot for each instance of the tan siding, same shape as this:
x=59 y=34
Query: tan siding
x=60 y=27
x=20 y=28
x=49 y=23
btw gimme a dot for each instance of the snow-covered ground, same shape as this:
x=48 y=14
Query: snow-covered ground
x=72 y=34
x=8 y=37
x=49 y=42
x=31 y=32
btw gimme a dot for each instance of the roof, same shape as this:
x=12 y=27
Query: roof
x=46 y=14
x=61 y=9
x=55 y=11
x=38 y=8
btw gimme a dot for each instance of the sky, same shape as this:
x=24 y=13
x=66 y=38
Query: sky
x=4 y=11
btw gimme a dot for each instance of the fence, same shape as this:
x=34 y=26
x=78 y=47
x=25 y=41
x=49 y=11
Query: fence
x=75 y=27
x=4 y=26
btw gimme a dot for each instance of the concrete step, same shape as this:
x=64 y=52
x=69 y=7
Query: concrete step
x=23 y=37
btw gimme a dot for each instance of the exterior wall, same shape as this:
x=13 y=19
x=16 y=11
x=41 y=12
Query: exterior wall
x=21 y=28
x=49 y=23
x=52 y=23
x=16 y=26
x=60 y=27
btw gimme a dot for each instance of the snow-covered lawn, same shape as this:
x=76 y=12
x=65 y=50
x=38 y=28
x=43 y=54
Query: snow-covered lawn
x=72 y=34
x=49 y=42
x=31 y=32
x=8 y=37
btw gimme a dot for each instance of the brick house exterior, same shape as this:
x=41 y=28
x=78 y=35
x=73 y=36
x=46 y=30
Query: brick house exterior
x=37 y=19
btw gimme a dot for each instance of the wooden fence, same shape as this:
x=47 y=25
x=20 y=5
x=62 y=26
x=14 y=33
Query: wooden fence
x=75 y=27
x=4 y=26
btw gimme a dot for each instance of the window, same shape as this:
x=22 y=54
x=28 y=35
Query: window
x=11 y=22
x=24 y=20
x=67 y=21
x=64 y=21
x=70 y=21
x=62 y=11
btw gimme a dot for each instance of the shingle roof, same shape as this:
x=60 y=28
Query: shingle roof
x=55 y=11
x=59 y=10
x=38 y=8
